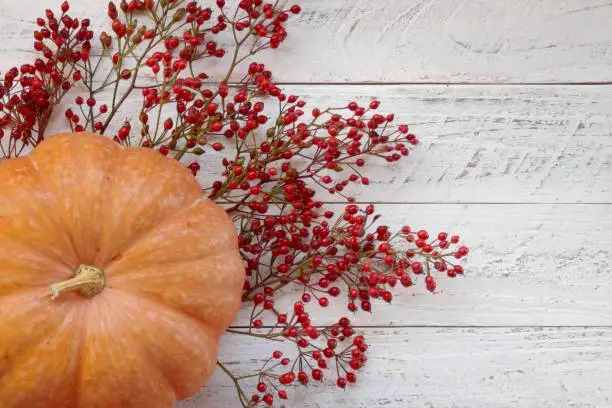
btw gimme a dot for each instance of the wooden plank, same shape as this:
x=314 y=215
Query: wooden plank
x=444 y=368
x=540 y=265
x=498 y=144
x=408 y=40
x=479 y=144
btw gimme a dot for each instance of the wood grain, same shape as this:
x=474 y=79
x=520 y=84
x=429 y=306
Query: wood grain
x=452 y=368
x=529 y=265
x=408 y=40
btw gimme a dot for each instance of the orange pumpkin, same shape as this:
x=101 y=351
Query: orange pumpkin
x=117 y=277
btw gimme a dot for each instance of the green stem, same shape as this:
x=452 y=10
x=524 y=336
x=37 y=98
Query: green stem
x=241 y=395
x=261 y=336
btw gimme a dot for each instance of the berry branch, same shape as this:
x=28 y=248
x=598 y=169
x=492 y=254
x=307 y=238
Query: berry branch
x=279 y=163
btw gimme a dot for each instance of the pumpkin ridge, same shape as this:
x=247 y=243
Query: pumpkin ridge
x=78 y=374
x=169 y=261
x=160 y=302
x=117 y=314
x=38 y=251
x=161 y=161
x=30 y=345
x=59 y=225
x=154 y=302
x=58 y=266
x=98 y=153
x=107 y=201
x=51 y=188
x=121 y=284
x=145 y=351
x=139 y=237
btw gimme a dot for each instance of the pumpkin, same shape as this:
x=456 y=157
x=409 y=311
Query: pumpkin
x=117 y=277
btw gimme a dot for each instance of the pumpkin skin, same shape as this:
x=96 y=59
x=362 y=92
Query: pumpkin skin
x=173 y=277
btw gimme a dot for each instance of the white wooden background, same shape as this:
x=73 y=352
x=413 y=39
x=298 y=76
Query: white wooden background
x=513 y=102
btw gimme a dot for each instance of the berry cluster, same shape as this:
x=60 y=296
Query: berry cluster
x=336 y=347
x=278 y=161
x=28 y=93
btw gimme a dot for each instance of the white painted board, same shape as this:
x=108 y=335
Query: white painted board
x=408 y=40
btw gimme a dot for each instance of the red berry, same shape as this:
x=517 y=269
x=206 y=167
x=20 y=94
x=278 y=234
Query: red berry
x=287 y=378
x=216 y=127
x=123 y=133
x=430 y=283
x=359 y=341
x=302 y=377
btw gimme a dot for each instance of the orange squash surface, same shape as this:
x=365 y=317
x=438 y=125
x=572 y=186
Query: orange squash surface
x=117 y=277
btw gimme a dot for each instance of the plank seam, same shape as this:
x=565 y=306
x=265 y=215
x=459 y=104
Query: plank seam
x=492 y=327
x=366 y=83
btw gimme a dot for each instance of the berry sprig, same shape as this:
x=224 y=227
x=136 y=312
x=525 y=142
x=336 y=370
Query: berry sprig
x=279 y=160
x=297 y=146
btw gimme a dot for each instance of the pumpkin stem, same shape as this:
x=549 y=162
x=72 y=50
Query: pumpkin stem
x=88 y=281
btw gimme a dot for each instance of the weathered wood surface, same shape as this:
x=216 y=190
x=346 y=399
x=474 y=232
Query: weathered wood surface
x=523 y=172
x=409 y=40
x=452 y=368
